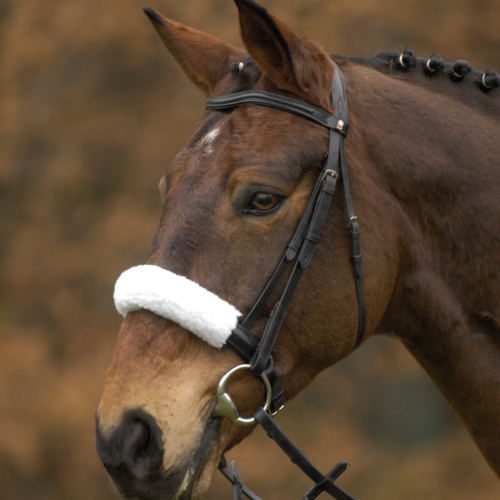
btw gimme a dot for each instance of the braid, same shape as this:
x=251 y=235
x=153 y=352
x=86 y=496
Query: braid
x=407 y=60
x=459 y=69
x=433 y=65
x=490 y=80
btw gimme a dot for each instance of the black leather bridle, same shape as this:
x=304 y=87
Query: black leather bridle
x=298 y=254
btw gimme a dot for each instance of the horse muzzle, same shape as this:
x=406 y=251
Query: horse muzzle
x=133 y=457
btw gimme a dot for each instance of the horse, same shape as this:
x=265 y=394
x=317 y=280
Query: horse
x=422 y=153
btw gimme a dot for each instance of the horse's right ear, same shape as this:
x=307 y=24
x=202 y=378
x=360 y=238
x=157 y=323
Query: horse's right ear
x=204 y=58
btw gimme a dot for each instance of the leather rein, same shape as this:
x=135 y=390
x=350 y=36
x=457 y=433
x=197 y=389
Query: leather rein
x=298 y=254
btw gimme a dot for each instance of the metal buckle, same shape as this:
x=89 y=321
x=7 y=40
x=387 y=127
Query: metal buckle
x=225 y=406
x=328 y=171
x=351 y=220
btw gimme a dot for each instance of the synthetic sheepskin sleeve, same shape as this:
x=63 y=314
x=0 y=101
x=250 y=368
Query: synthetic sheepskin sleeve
x=176 y=298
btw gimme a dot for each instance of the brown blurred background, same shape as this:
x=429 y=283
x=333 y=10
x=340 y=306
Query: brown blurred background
x=92 y=109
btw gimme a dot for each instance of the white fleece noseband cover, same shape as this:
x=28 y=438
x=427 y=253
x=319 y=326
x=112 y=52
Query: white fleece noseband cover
x=176 y=298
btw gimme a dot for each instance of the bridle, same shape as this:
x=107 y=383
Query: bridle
x=298 y=254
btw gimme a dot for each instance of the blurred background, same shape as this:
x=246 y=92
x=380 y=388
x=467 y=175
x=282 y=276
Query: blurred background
x=92 y=109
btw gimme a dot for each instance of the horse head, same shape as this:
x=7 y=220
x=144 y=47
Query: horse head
x=231 y=200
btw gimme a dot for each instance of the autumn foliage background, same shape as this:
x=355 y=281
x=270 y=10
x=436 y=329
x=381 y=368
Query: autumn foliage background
x=92 y=109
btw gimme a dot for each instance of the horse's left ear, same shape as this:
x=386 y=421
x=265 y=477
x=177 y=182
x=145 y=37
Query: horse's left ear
x=204 y=58
x=292 y=62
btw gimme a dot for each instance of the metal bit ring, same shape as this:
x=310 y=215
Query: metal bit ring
x=225 y=406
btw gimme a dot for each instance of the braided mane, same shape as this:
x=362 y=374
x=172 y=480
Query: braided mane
x=458 y=80
x=478 y=89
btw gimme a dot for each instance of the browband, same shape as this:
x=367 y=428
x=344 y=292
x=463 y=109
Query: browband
x=281 y=102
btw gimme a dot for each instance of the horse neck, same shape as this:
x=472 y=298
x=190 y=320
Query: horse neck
x=432 y=162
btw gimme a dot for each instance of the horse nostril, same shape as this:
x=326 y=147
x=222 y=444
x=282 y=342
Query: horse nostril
x=135 y=447
x=138 y=440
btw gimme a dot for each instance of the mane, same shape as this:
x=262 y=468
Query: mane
x=458 y=80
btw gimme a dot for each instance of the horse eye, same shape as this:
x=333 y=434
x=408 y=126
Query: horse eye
x=264 y=203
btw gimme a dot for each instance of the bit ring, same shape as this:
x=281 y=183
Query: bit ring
x=225 y=406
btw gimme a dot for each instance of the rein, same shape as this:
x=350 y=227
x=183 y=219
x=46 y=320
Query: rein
x=298 y=254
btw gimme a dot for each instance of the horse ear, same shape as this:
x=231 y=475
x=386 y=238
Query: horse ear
x=292 y=62
x=203 y=58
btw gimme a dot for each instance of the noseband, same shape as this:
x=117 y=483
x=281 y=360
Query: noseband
x=298 y=254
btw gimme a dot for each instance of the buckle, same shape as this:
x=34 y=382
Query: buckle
x=331 y=173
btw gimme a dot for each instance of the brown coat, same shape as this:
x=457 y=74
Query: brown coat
x=422 y=153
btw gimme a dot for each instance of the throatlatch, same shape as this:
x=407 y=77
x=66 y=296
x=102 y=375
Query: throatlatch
x=298 y=254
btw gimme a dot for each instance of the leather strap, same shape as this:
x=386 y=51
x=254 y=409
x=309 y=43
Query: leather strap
x=354 y=241
x=310 y=239
x=234 y=478
x=299 y=252
x=242 y=342
x=332 y=476
x=245 y=345
x=339 y=98
x=277 y=101
x=323 y=483
x=336 y=154
x=292 y=248
x=309 y=228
